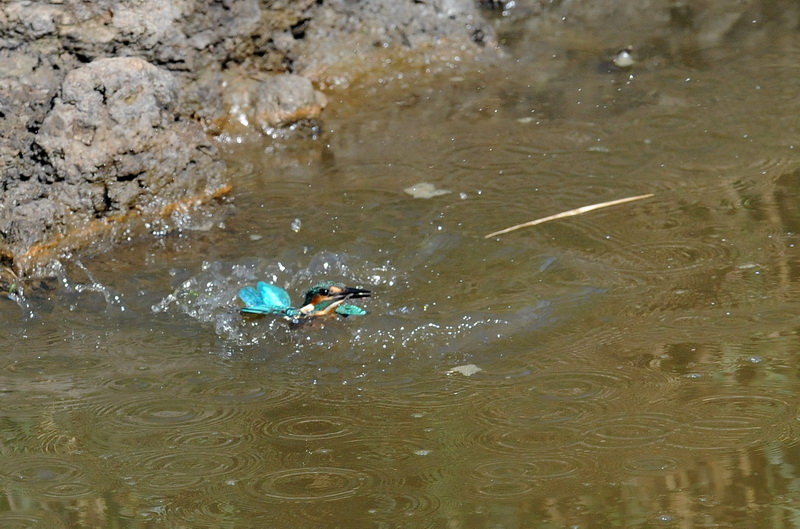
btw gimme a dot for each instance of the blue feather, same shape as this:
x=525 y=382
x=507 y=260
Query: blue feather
x=272 y=295
x=266 y=299
x=349 y=310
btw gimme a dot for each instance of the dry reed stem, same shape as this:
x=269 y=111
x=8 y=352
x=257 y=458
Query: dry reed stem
x=570 y=213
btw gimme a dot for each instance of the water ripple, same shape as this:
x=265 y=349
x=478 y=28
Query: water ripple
x=422 y=396
x=552 y=410
x=237 y=392
x=204 y=510
x=543 y=467
x=629 y=430
x=203 y=438
x=27 y=519
x=510 y=478
x=50 y=476
x=573 y=385
x=171 y=470
x=72 y=490
x=389 y=460
x=26 y=405
x=401 y=504
x=528 y=439
x=652 y=464
x=308 y=484
x=731 y=422
x=704 y=322
x=383 y=456
x=54 y=435
x=669 y=257
x=162 y=412
x=133 y=383
x=311 y=428
x=724 y=433
x=525 y=408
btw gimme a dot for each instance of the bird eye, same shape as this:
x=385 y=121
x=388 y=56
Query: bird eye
x=324 y=292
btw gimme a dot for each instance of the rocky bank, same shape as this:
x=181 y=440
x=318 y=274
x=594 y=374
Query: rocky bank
x=109 y=107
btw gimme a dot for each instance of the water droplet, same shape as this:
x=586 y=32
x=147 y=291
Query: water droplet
x=296 y=225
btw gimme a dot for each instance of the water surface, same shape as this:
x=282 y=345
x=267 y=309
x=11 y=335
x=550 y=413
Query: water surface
x=637 y=364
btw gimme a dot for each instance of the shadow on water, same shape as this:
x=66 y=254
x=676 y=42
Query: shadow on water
x=634 y=367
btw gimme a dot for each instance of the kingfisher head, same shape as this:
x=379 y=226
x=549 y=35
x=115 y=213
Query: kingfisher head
x=323 y=294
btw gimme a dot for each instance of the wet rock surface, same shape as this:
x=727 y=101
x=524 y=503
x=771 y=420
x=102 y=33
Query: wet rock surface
x=251 y=104
x=111 y=147
x=103 y=103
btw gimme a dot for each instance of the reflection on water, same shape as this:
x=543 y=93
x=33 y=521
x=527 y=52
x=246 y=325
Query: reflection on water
x=637 y=364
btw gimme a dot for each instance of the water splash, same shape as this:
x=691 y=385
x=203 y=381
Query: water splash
x=211 y=296
x=74 y=292
x=408 y=320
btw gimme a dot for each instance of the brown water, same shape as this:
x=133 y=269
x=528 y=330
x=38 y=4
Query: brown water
x=638 y=363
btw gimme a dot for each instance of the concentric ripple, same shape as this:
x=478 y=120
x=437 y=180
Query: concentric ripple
x=206 y=509
x=27 y=519
x=723 y=433
x=651 y=464
x=212 y=439
x=216 y=385
x=668 y=257
x=550 y=411
x=51 y=476
x=308 y=485
x=171 y=470
x=509 y=478
x=28 y=405
x=589 y=385
x=383 y=456
x=55 y=365
x=629 y=430
x=544 y=467
x=40 y=469
x=401 y=504
x=157 y=413
x=235 y=392
x=311 y=428
x=504 y=488
x=532 y=438
x=526 y=409
x=133 y=383
x=729 y=422
x=423 y=395
x=767 y=408
x=72 y=490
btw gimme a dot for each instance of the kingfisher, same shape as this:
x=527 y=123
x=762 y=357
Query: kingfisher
x=325 y=299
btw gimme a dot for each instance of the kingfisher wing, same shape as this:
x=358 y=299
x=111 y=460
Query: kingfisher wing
x=250 y=296
x=272 y=295
x=350 y=310
x=265 y=299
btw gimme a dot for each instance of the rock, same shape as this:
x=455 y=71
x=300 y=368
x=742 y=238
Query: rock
x=116 y=147
x=268 y=103
x=362 y=38
x=102 y=102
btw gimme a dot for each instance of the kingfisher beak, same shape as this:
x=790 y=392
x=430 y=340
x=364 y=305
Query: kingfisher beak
x=352 y=293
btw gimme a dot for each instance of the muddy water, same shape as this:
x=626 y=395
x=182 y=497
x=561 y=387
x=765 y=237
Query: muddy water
x=633 y=366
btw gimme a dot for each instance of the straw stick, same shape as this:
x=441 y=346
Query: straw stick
x=570 y=213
